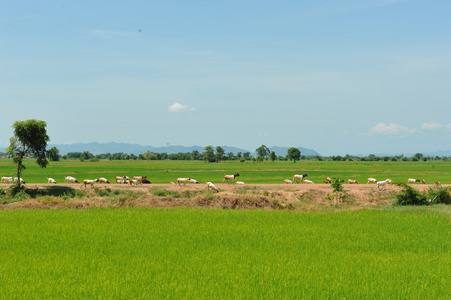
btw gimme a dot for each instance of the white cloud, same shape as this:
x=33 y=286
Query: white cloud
x=177 y=108
x=430 y=125
x=391 y=129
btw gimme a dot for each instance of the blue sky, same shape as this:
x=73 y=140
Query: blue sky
x=340 y=77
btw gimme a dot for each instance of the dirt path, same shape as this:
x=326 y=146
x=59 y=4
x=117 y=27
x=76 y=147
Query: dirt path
x=361 y=194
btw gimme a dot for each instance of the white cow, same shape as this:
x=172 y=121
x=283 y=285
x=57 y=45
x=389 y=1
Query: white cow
x=230 y=177
x=90 y=182
x=381 y=184
x=7 y=179
x=372 y=180
x=299 y=178
x=70 y=179
x=182 y=180
x=212 y=186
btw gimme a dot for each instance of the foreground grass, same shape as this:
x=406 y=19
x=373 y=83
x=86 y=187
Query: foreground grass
x=192 y=254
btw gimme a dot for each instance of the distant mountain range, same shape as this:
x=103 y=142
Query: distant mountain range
x=136 y=149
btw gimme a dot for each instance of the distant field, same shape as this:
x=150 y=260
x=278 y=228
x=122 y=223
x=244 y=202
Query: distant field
x=266 y=172
x=224 y=254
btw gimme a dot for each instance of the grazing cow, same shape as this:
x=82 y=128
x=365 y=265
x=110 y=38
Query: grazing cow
x=412 y=180
x=103 y=180
x=381 y=184
x=132 y=182
x=182 y=180
x=122 y=179
x=212 y=186
x=371 y=180
x=90 y=182
x=7 y=179
x=297 y=177
x=70 y=179
x=21 y=180
x=230 y=177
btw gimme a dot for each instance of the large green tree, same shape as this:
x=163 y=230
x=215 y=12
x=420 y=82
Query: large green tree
x=30 y=139
x=53 y=154
x=220 y=152
x=294 y=154
x=209 y=153
x=262 y=152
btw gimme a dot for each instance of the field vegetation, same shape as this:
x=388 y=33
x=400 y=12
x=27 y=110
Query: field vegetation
x=275 y=172
x=251 y=243
x=402 y=253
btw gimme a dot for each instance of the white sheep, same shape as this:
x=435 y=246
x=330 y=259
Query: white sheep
x=288 y=181
x=308 y=181
x=239 y=182
x=212 y=186
x=51 y=180
x=230 y=177
x=193 y=181
x=353 y=181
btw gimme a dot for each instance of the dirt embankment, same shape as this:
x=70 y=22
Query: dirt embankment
x=304 y=197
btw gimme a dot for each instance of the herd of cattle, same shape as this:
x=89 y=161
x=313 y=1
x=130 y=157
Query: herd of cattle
x=139 y=180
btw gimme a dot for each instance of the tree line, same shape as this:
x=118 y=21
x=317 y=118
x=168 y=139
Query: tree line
x=218 y=154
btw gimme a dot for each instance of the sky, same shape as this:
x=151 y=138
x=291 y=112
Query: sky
x=339 y=77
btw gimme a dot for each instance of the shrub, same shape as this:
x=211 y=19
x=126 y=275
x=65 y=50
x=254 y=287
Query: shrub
x=410 y=196
x=175 y=194
x=157 y=191
x=440 y=195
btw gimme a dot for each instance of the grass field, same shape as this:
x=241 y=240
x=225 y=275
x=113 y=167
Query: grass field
x=266 y=172
x=402 y=253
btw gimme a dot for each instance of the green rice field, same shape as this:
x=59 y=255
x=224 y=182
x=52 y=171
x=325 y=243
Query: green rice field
x=396 y=253
x=250 y=172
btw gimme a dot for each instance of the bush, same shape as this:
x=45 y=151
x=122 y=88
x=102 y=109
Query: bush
x=157 y=191
x=410 y=196
x=439 y=196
